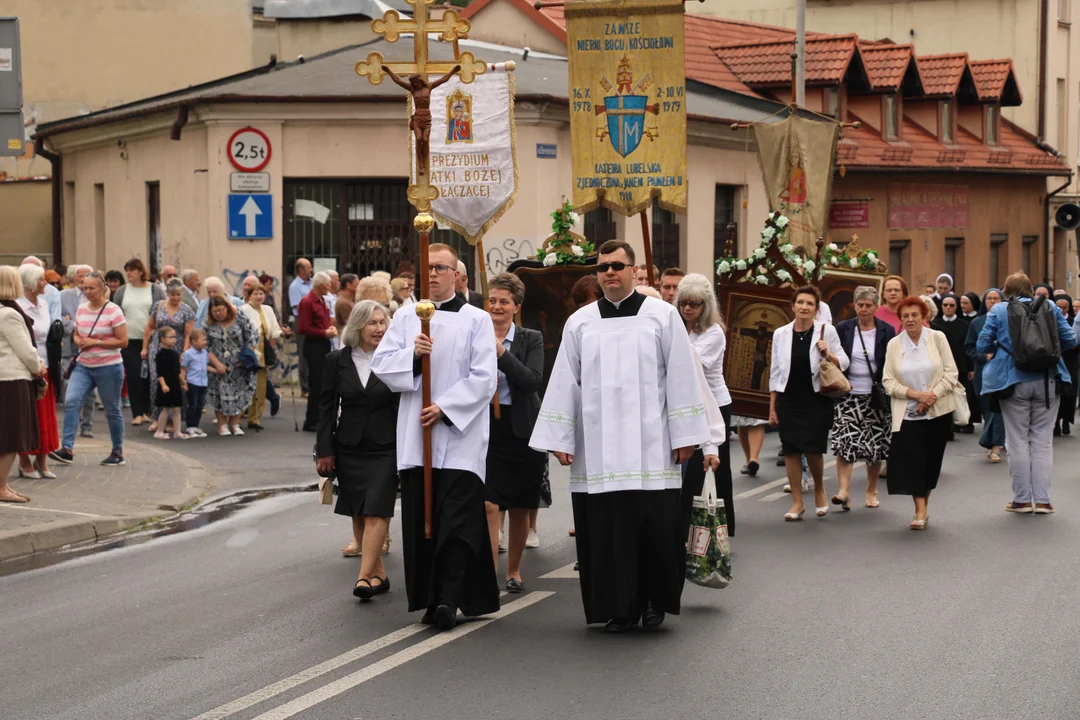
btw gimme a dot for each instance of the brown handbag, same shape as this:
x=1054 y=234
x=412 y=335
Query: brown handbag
x=833 y=382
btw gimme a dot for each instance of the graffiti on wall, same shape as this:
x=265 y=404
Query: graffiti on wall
x=288 y=354
x=501 y=253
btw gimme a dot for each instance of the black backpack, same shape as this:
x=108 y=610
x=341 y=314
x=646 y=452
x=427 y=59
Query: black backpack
x=1034 y=334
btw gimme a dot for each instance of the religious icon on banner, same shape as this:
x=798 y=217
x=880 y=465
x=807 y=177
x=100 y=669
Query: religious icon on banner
x=473 y=155
x=754 y=314
x=459 y=118
x=628 y=136
x=797 y=157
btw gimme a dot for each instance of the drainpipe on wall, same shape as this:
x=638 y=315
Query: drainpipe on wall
x=1047 y=229
x=1044 y=19
x=57 y=199
x=180 y=122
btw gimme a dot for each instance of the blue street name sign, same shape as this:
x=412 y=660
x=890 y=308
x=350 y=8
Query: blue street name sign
x=251 y=217
x=544 y=150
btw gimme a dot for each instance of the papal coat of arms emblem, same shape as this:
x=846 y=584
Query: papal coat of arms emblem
x=459 y=118
x=625 y=109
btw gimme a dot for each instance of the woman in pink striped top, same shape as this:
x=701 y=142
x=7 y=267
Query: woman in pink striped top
x=100 y=333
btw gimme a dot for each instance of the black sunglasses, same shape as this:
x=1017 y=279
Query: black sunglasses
x=691 y=303
x=602 y=268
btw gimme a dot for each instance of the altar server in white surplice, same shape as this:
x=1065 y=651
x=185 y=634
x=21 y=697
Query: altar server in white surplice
x=453 y=570
x=624 y=409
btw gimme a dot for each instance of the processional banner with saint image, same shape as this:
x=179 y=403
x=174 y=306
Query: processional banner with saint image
x=797 y=157
x=627 y=104
x=473 y=158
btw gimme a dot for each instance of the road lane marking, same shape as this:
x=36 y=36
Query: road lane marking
x=311 y=673
x=398 y=659
x=774 y=496
x=275 y=689
x=567 y=572
x=770 y=485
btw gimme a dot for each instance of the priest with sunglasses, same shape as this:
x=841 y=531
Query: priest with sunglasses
x=623 y=410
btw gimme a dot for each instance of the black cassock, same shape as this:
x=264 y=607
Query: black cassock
x=631 y=544
x=455 y=565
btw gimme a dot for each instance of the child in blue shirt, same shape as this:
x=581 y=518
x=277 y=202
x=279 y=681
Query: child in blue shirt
x=193 y=379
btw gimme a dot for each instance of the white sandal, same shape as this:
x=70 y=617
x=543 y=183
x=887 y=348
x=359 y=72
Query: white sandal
x=822 y=511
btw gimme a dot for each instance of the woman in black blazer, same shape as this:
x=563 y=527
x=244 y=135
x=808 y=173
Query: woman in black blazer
x=359 y=445
x=514 y=470
x=860 y=431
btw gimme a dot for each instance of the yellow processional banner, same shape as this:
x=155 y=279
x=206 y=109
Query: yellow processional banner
x=627 y=104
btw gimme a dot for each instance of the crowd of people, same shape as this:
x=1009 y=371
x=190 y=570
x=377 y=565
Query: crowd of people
x=889 y=387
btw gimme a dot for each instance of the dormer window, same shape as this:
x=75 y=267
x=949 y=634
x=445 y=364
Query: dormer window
x=832 y=102
x=890 y=108
x=992 y=121
x=948 y=118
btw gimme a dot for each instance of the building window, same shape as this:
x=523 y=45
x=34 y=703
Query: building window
x=153 y=225
x=954 y=259
x=947 y=119
x=724 y=214
x=665 y=238
x=991 y=119
x=891 y=110
x=999 y=246
x=897 y=253
x=1028 y=248
x=832 y=102
x=599 y=226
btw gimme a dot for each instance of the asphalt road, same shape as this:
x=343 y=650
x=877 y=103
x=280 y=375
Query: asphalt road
x=852 y=616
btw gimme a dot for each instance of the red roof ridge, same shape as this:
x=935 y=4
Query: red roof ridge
x=785 y=41
x=998 y=61
x=944 y=56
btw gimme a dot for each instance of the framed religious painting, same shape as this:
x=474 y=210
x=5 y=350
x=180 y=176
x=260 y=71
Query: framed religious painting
x=837 y=288
x=752 y=313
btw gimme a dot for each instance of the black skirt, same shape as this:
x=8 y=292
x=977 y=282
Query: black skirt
x=18 y=421
x=916 y=454
x=367 y=480
x=631 y=549
x=805 y=420
x=515 y=471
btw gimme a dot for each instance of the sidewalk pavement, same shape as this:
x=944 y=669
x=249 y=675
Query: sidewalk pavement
x=88 y=501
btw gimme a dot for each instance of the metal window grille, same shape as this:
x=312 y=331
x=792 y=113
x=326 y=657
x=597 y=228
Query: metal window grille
x=724 y=214
x=665 y=238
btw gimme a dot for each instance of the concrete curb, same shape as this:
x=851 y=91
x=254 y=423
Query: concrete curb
x=54 y=535
x=51 y=536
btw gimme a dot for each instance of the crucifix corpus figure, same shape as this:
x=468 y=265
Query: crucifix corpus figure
x=420 y=123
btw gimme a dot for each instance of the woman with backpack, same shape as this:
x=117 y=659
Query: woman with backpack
x=1026 y=376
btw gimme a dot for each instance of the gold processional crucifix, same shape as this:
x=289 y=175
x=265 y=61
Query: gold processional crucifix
x=450 y=28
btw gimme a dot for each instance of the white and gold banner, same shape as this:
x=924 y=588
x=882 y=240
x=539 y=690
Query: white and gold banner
x=473 y=159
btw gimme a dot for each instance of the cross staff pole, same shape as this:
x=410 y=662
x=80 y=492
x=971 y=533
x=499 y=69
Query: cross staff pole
x=648 y=249
x=449 y=28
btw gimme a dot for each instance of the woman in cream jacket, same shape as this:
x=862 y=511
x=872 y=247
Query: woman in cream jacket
x=263 y=319
x=920 y=377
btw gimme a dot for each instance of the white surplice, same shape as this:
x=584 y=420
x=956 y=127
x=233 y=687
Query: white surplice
x=622 y=394
x=463 y=372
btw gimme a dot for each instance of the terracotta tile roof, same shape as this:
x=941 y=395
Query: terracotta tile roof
x=863 y=148
x=990 y=77
x=764 y=64
x=543 y=18
x=886 y=64
x=941 y=74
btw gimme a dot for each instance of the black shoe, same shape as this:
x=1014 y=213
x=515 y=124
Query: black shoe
x=651 y=619
x=382 y=588
x=576 y=566
x=114 y=460
x=275 y=405
x=514 y=585
x=780 y=462
x=256 y=427
x=445 y=617
x=363 y=591
x=1065 y=429
x=752 y=467
x=309 y=428
x=1057 y=431
x=617 y=626
x=62 y=456
x=968 y=429
x=429 y=617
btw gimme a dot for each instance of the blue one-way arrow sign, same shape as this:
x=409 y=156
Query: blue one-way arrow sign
x=251 y=217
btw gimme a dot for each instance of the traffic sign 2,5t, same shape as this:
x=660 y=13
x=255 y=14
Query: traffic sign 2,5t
x=251 y=217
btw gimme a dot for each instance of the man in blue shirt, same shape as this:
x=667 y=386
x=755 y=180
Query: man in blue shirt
x=298 y=290
x=214 y=286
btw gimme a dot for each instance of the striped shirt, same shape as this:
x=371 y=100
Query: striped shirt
x=112 y=317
